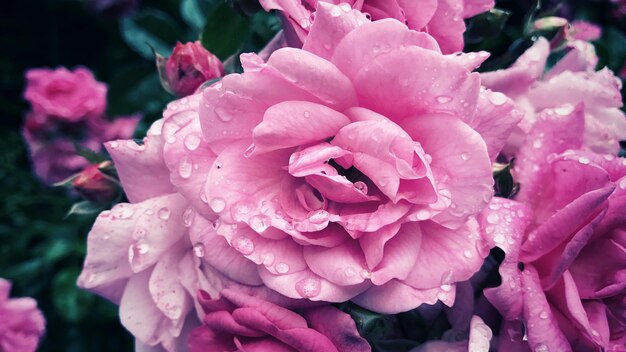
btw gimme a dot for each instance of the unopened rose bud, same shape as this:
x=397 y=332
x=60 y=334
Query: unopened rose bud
x=549 y=23
x=187 y=68
x=96 y=186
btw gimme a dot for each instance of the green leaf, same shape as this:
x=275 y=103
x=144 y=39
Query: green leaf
x=194 y=12
x=84 y=208
x=91 y=156
x=71 y=303
x=225 y=31
x=150 y=28
x=486 y=25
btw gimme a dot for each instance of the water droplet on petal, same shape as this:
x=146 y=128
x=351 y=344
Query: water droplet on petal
x=467 y=253
x=308 y=288
x=497 y=98
x=185 y=168
x=114 y=144
x=584 y=160
x=345 y=7
x=282 y=268
x=307 y=114
x=465 y=156
x=192 y=142
x=541 y=347
x=260 y=223
x=217 y=204
x=443 y=99
x=243 y=244
x=318 y=217
x=423 y=214
x=446 y=287
x=198 y=250
x=164 y=213
x=335 y=11
x=249 y=151
x=361 y=186
x=537 y=144
x=543 y=315
x=170 y=139
x=564 y=110
x=499 y=239
x=493 y=218
x=188 y=216
x=268 y=259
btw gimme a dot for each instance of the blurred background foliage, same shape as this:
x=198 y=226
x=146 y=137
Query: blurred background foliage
x=41 y=250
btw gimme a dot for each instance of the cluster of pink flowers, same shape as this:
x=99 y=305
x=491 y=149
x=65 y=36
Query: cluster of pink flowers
x=359 y=168
x=67 y=108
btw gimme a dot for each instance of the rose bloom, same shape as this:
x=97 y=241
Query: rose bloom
x=22 y=324
x=67 y=108
x=345 y=170
x=240 y=322
x=188 y=67
x=442 y=19
x=65 y=95
x=570 y=82
x=563 y=278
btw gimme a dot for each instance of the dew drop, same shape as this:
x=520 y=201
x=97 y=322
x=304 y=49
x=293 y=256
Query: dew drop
x=218 y=165
x=192 y=142
x=307 y=114
x=198 y=250
x=164 y=213
x=497 y=98
x=584 y=160
x=493 y=218
x=443 y=99
x=123 y=212
x=541 y=347
x=185 y=168
x=499 y=239
x=446 y=287
x=217 y=204
x=243 y=244
x=467 y=253
x=543 y=315
x=308 y=288
x=170 y=139
x=564 y=110
x=442 y=296
x=268 y=259
x=188 y=216
x=537 y=144
x=282 y=268
x=249 y=151
x=114 y=144
x=622 y=183
x=260 y=223
x=318 y=217
x=345 y=7
x=361 y=186
x=465 y=156
x=335 y=11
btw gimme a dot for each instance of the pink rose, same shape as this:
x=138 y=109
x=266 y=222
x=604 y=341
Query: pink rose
x=22 y=324
x=188 y=67
x=570 y=82
x=587 y=31
x=564 y=271
x=64 y=113
x=240 y=322
x=328 y=169
x=443 y=19
x=65 y=95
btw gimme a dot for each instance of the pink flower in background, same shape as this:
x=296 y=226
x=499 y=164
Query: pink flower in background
x=67 y=108
x=238 y=321
x=328 y=170
x=570 y=82
x=188 y=67
x=442 y=19
x=21 y=325
x=65 y=95
x=587 y=31
x=564 y=271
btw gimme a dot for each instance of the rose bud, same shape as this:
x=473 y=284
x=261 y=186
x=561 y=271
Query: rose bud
x=187 y=68
x=95 y=185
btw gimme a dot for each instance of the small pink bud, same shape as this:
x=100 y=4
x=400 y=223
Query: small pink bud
x=94 y=185
x=189 y=66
